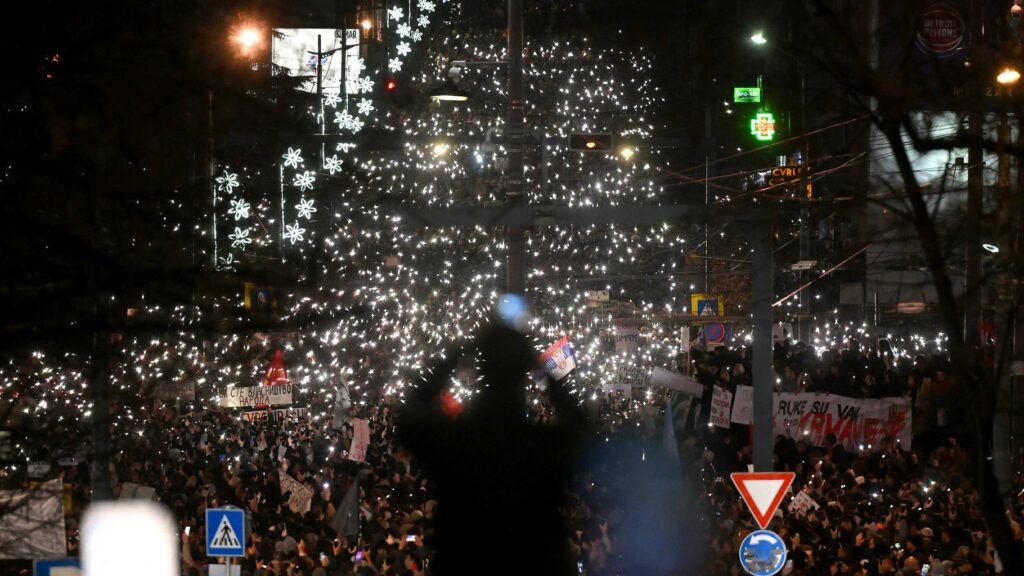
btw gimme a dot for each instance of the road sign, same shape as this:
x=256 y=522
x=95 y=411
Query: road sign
x=746 y=95
x=707 y=305
x=225 y=532
x=57 y=567
x=714 y=333
x=762 y=491
x=762 y=553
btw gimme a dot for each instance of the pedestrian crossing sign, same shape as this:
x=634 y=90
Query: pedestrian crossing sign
x=225 y=532
x=707 y=305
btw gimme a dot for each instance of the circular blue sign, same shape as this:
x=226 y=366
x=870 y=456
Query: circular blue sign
x=763 y=553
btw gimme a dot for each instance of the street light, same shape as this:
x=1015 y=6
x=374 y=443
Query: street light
x=366 y=24
x=248 y=37
x=1008 y=76
x=758 y=38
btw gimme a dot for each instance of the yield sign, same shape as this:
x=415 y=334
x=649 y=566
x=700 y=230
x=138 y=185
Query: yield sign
x=762 y=491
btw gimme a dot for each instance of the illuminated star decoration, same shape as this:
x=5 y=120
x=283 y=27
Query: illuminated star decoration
x=404 y=30
x=228 y=182
x=394 y=64
x=332 y=164
x=423 y=21
x=294 y=233
x=293 y=157
x=305 y=180
x=403 y=48
x=416 y=36
x=426 y=5
x=365 y=84
x=239 y=209
x=305 y=208
x=240 y=238
x=395 y=13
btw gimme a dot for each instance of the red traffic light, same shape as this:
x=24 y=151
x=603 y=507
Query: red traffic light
x=590 y=142
x=391 y=85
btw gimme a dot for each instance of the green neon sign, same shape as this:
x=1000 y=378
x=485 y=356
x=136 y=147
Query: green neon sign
x=751 y=95
x=763 y=127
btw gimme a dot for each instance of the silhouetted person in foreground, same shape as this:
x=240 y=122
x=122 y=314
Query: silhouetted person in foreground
x=500 y=478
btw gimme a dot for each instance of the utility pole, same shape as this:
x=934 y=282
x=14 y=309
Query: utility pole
x=763 y=374
x=515 y=280
x=975 y=193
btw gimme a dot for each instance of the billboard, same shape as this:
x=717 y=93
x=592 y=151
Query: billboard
x=293 y=50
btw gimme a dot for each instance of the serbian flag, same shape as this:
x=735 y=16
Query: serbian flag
x=275 y=372
x=556 y=361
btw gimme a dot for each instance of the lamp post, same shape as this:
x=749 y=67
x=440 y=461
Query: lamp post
x=515 y=234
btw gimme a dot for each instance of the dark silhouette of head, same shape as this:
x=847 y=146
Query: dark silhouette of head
x=505 y=358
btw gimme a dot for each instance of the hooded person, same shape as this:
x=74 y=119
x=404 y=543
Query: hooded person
x=490 y=457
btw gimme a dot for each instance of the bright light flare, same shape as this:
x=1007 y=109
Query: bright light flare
x=248 y=37
x=1008 y=76
x=758 y=38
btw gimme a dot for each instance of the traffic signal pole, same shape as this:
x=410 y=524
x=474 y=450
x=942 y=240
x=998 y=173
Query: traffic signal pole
x=515 y=280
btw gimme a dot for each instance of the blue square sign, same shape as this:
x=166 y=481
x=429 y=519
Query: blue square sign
x=225 y=532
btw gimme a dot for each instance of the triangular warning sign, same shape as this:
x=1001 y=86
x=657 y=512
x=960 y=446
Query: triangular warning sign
x=225 y=536
x=762 y=491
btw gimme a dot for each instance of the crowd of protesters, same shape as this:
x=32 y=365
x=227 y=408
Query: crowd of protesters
x=880 y=511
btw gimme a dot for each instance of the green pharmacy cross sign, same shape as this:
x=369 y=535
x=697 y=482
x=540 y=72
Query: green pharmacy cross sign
x=750 y=95
x=763 y=127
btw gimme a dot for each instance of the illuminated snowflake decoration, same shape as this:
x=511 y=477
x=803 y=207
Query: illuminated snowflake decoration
x=333 y=99
x=416 y=36
x=360 y=67
x=294 y=233
x=343 y=120
x=305 y=180
x=426 y=5
x=239 y=209
x=305 y=208
x=395 y=13
x=293 y=157
x=394 y=64
x=228 y=182
x=332 y=164
x=403 y=48
x=404 y=30
x=240 y=238
x=227 y=261
x=356 y=125
x=365 y=107
x=345 y=147
x=423 y=21
x=365 y=85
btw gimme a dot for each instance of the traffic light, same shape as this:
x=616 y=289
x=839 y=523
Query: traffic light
x=590 y=142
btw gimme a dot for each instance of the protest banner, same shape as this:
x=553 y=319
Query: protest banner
x=557 y=361
x=859 y=424
x=32 y=522
x=627 y=337
x=300 y=496
x=275 y=415
x=801 y=504
x=253 y=396
x=184 y=390
x=721 y=403
x=133 y=491
x=361 y=439
x=676 y=381
x=743 y=405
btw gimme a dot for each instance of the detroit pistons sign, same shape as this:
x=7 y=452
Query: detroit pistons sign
x=941 y=30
